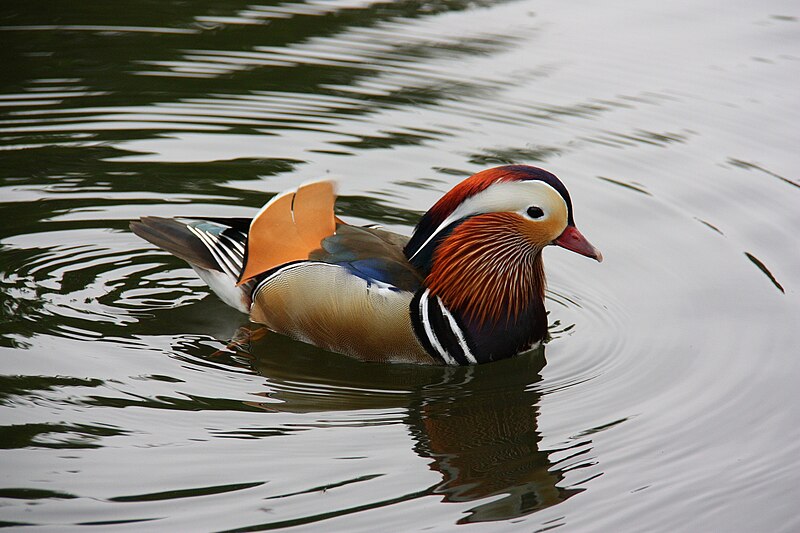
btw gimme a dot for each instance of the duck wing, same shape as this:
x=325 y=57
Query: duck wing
x=351 y=296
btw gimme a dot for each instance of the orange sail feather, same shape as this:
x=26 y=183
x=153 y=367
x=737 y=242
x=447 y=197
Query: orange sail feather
x=289 y=228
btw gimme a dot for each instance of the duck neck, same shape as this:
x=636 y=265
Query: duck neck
x=491 y=280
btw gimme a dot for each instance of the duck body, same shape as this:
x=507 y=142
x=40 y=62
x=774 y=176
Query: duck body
x=466 y=288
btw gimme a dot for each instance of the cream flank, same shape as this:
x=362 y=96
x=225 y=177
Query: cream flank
x=325 y=305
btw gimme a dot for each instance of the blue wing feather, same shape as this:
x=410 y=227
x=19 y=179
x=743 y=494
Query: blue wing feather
x=371 y=254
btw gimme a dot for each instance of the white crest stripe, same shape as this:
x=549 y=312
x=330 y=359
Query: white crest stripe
x=510 y=196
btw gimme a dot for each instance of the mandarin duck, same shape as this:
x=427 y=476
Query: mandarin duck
x=467 y=287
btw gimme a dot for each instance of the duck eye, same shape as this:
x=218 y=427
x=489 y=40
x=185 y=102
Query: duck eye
x=535 y=212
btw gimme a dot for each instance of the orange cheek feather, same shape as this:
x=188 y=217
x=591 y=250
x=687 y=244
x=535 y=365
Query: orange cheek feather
x=488 y=267
x=542 y=233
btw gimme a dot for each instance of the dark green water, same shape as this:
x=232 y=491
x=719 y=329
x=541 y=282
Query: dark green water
x=667 y=399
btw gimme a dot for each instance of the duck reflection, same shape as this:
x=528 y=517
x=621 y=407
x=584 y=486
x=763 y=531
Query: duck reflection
x=476 y=425
x=484 y=441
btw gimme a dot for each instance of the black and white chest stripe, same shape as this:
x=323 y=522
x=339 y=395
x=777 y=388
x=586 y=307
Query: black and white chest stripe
x=439 y=332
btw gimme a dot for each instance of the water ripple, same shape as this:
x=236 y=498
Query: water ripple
x=80 y=286
x=671 y=366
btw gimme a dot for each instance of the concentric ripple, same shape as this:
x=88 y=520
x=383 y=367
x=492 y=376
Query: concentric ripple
x=665 y=398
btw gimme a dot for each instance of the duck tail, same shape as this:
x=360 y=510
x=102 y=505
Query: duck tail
x=232 y=254
x=215 y=249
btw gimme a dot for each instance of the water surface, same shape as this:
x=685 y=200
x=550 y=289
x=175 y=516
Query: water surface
x=667 y=397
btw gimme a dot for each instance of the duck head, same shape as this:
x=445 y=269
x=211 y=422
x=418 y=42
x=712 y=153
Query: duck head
x=479 y=247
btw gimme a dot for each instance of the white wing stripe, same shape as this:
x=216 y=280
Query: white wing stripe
x=229 y=251
x=222 y=261
x=236 y=246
